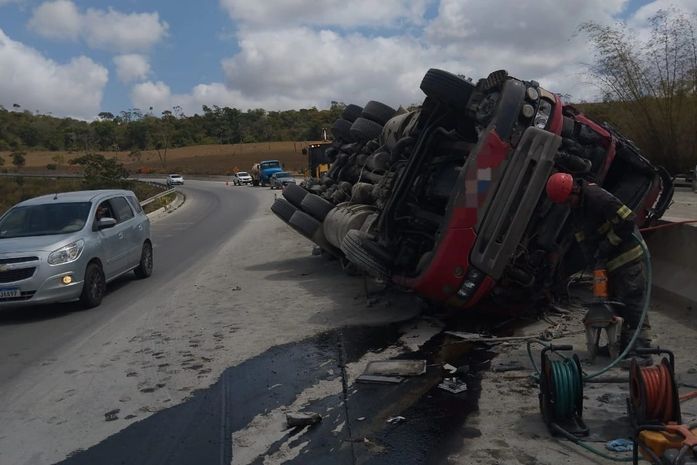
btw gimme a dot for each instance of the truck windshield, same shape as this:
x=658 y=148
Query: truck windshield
x=44 y=220
x=271 y=164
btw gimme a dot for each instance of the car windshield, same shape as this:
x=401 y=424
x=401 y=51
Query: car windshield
x=44 y=220
x=175 y=175
x=282 y=174
x=242 y=173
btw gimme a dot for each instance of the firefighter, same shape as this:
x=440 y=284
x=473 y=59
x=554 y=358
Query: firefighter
x=604 y=228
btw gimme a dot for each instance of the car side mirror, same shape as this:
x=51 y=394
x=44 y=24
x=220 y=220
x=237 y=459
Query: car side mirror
x=105 y=223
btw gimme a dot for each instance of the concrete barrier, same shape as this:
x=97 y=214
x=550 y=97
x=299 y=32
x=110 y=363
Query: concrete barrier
x=674 y=263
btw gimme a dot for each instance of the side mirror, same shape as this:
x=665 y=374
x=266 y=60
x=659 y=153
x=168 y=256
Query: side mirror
x=105 y=223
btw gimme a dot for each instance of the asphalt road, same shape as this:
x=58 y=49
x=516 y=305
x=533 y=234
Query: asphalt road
x=213 y=213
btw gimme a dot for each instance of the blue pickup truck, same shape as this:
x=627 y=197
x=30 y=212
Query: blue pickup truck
x=262 y=171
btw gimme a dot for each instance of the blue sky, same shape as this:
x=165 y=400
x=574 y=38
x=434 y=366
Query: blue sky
x=62 y=55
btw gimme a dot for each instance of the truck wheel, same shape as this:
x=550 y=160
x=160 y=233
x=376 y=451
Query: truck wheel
x=378 y=112
x=304 y=224
x=364 y=129
x=447 y=88
x=342 y=130
x=294 y=194
x=351 y=112
x=365 y=253
x=283 y=209
x=316 y=206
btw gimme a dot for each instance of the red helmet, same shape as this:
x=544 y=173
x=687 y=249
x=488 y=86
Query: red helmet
x=559 y=187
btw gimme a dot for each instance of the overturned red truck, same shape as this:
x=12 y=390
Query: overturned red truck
x=449 y=199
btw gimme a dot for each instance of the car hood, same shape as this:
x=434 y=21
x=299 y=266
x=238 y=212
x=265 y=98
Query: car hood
x=245 y=177
x=34 y=243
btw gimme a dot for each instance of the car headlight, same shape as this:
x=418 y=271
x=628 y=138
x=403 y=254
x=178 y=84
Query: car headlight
x=66 y=254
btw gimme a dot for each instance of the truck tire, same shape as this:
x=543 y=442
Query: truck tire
x=316 y=206
x=342 y=130
x=447 y=88
x=364 y=253
x=294 y=194
x=351 y=112
x=378 y=112
x=283 y=209
x=304 y=224
x=364 y=130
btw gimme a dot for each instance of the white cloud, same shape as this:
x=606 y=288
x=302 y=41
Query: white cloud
x=59 y=19
x=326 y=12
x=298 y=53
x=102 y=29
x=131 y=67
x=38 y=83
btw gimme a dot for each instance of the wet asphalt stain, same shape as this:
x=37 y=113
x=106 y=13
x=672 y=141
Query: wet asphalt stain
x=354 y=426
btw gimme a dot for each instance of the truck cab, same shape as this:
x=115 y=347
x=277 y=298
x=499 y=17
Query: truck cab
x=262 y=171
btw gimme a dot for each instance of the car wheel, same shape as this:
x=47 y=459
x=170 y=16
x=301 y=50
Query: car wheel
x=304 y=224
x=351 y=112
x=365 y=253
x=295 y=194
x=316 y=206
x=144 y=269
x=364 y=129
x=342 y=130
x=378 y=112
x=94 y=286
x=283 y=209
x=447 y=88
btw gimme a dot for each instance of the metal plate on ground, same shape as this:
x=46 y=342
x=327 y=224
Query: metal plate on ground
x=396 y=368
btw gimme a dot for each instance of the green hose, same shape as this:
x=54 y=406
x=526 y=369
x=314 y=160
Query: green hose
x=567 y=387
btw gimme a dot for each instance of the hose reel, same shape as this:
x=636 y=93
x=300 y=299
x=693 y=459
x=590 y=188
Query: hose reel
x=561 y=392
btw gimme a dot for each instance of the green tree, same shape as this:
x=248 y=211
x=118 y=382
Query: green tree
x=653 y=82
x=18 y=159
x=101 y=172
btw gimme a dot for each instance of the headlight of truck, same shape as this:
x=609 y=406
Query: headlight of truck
x=66 y=254
x=543 y=113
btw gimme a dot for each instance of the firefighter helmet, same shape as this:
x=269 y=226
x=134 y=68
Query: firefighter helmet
x=559 y=187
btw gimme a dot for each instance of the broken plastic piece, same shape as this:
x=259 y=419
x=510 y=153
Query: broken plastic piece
x=449 y=368
x=453 y=385
x=395 y=420
x=396 y=368
x=379 y=379
x=302 y=418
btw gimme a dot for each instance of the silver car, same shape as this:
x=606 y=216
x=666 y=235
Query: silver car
x=281 y=179
x=68 y=246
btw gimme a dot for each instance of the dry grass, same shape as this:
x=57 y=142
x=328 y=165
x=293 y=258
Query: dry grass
x=199 y=159
x=12 y=192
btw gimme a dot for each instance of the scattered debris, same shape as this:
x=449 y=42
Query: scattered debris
x=302 y=418
x=620 y=445
x=396 y=368
x=453 y=385
x=374 y=379
x=112 y=415
x=395 y=420
x=509 y=365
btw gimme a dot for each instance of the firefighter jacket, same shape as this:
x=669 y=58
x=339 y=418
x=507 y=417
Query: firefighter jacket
x=603 y=227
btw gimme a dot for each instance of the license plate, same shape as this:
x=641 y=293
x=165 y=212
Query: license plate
x=9 y=293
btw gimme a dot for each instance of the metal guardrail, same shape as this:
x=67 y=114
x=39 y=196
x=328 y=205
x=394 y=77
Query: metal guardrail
x=155 y=197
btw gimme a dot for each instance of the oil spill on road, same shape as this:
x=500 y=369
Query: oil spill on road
x=200 y=429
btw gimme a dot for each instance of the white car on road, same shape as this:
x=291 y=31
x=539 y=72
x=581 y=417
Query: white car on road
x=175 y=179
